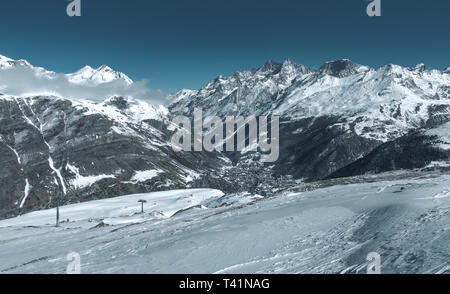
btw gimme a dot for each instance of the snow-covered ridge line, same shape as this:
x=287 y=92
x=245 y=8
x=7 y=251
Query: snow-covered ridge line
x=123 y=110
x=103 y=74
x=379 y=104
x=318 y=231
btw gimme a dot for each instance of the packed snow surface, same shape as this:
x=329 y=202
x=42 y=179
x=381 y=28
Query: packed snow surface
x=142 y=176
x=326 y=230
x=118 y=209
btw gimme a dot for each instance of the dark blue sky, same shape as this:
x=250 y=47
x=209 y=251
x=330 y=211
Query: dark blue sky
x=184 y=44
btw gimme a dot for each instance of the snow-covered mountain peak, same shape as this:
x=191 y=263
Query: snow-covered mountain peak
x=289 y=67
x=289 y=62
x=104 y=68
x=87 y=74
x=270 y=67
x=420 y=67
x=103 y=74
x=342 y=68
x=379 y=104
x=85 y=69
x=447 y=70
x=6 y=62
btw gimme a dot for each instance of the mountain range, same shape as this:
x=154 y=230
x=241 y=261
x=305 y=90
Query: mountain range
x=341 y=120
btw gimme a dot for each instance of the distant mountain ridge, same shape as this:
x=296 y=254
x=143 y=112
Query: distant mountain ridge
x=100 y=75
x=335 y=115
x=379 y=104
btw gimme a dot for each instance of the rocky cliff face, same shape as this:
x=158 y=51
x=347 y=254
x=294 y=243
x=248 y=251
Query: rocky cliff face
x=56 y=149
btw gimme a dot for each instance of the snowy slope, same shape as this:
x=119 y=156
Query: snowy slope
x=326 y=230
x=103 y=74
x=123 y=109
x=119 y=210
x=5 y=61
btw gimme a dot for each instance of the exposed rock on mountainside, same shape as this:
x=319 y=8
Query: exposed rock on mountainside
x=334 y=116
x=56 y=149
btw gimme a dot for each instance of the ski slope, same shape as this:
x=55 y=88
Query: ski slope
x=119 y=210
x=325 y=230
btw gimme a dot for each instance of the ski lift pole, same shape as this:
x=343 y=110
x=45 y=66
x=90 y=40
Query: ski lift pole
x=57 y=211
x=142 y=205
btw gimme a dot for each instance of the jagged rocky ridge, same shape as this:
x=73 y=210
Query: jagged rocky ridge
x=343 y=119
x=335 y=116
